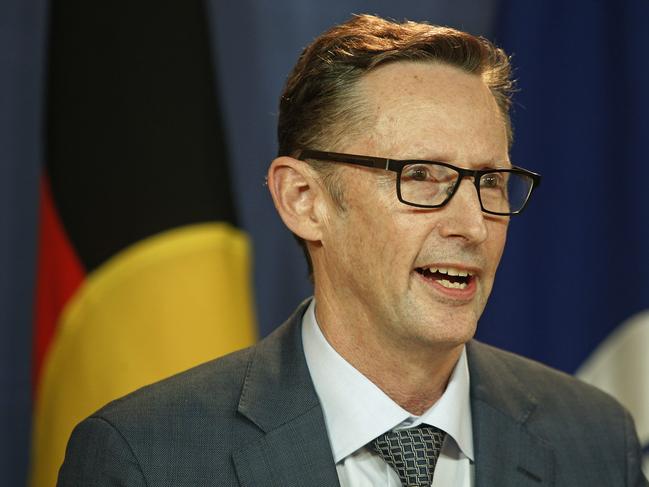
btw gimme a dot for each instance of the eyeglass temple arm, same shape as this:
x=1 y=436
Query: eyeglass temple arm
x=377 y=162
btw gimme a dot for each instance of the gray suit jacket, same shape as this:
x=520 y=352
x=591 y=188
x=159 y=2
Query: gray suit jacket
x=253 y=419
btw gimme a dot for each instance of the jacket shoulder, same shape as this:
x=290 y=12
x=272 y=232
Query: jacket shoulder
x=544 y=384
x=212 y=386
x=552 y=404
x=569 y=418
x=179 y=431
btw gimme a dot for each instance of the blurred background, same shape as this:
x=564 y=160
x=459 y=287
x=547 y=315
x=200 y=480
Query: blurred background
x=137 y=238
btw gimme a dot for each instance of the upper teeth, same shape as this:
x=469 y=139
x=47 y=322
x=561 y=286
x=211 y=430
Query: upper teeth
x=450 y=271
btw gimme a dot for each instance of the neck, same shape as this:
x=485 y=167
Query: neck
x=413 y=375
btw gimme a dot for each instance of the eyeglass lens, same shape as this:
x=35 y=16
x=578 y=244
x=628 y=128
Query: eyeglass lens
x=432 y=184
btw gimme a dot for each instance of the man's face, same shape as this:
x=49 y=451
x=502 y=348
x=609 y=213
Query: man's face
x=376 y=267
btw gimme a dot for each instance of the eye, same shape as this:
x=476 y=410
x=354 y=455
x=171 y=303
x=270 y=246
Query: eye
x=492 y=180
x=418 y=173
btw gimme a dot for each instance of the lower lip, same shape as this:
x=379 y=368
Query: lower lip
x=465 y=294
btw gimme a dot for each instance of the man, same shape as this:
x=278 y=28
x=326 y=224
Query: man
x=394 y=174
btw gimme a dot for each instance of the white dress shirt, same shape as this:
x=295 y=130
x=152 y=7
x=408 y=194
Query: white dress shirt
x=356 y=411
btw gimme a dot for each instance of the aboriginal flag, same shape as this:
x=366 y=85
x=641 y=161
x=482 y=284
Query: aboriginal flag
x=142 y=271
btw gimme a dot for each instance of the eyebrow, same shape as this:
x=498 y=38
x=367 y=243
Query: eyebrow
x=496 y=165
x=461 y=163
x=445 y=157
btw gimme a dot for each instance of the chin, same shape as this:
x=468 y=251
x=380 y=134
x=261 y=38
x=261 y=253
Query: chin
x=453 y=334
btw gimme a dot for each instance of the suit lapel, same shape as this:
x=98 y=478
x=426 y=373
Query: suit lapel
x=278 y=396
x=295 y=454
x=507 y=454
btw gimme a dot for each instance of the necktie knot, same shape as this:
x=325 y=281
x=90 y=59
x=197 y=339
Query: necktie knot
x=412 y=453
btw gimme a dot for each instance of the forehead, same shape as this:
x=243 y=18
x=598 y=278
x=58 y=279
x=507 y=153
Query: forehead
x=427 y=109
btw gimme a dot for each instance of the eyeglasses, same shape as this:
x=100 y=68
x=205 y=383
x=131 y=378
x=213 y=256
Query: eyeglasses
x=430 y=184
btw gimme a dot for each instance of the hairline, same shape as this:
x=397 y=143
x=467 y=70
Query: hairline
x=353 y=125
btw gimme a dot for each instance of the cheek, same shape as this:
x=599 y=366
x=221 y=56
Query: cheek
x=383 y=239
x=404 y=237
x=380 y=242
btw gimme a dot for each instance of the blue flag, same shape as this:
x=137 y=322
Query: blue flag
x=574 y=281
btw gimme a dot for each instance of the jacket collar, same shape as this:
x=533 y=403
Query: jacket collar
x=278 y=396
x=507 y=453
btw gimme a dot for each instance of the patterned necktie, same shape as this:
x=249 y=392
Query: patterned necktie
x=412 y=453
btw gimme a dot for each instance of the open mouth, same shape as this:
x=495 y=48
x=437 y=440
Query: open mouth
x=447 y=277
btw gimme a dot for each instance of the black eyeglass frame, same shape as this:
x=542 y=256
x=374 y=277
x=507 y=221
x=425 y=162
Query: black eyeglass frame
x=397 y=166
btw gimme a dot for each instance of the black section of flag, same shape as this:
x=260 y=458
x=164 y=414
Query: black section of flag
x=135 y=144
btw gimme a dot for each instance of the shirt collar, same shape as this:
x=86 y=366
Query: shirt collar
x=356 y=411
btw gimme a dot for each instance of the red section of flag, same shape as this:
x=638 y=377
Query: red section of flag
x=59 y=275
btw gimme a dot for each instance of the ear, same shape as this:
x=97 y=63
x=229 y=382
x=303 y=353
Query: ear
x=296 y=193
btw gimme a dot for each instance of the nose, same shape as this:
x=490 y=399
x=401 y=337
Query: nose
x=463 y=216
